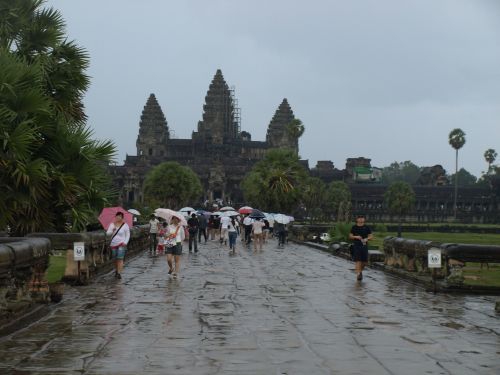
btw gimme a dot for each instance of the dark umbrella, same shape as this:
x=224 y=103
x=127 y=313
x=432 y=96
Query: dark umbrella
x=257 y=214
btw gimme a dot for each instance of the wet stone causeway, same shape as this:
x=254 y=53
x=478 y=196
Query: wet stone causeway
x=282 y=311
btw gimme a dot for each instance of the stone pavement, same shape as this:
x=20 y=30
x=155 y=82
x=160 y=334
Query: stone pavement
x=283 y=311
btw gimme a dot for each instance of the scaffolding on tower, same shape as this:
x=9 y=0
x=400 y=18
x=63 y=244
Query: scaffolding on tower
x=236 y=110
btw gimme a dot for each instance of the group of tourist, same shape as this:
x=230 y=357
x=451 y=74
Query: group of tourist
x=166 y=238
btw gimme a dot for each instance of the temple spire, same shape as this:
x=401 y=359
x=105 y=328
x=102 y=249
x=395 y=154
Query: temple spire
x=218 y=124
x=153 y=130
x=278 y=133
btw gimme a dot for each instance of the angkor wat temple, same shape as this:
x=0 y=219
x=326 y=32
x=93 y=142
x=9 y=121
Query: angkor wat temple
x=221 y=154
x=218 y=151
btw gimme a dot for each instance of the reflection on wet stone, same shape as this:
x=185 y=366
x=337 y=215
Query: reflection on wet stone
x=284 y=311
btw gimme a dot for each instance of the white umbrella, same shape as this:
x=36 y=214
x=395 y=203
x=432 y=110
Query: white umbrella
x=230 y=213
x=187 y=209
x=133 y=211
x=227 y=208
x=291 y=218
x=217 y=213
x=269 y=216
x=282 y=219
x=167 y=214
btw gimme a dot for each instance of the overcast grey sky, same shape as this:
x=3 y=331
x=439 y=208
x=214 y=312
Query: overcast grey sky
x=384 y=79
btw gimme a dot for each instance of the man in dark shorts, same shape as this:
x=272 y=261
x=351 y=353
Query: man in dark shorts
x=360 y=234
x=193 y=227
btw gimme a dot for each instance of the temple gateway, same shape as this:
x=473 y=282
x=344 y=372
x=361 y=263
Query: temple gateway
x=218 y=151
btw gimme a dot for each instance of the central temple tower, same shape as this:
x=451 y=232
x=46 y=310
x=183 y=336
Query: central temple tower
x=218 y=125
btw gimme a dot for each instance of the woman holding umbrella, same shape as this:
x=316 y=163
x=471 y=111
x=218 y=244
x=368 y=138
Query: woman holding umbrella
x=120 y=232
x=173 y=244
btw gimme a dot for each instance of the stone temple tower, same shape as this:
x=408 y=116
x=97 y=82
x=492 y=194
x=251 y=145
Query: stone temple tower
x=278 y=135
x=153 y=131
x=218 y=125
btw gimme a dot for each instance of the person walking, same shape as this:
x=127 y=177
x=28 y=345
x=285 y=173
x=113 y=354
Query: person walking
x=202 y=228
x=173 y=244
x=247 y=223
x=232 y=233
x=193 y=227
x=360 y=234
x=257 y=231
x=279 y=229
x=154 y=226
x=224 y=229
x=120 y=232
x=160 y=249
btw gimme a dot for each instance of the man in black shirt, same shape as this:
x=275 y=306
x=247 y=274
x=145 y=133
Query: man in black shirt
x=203 y=228
x=193 y=225
x=360 y=235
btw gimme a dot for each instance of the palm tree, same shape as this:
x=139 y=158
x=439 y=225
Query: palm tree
x=400 y=199
x=51 y=171
x=456 y=139
x=490 y=156
x=296 y=128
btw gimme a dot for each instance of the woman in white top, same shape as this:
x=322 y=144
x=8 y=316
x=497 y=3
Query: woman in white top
x=233 y=233
x=257 y=228
x=173 y=244
x=120 y=232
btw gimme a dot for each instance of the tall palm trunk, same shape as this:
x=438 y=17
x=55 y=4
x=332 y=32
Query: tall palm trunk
x=456 y=185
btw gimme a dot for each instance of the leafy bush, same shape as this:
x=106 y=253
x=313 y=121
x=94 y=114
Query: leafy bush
x=340 y=232
x=381 y=228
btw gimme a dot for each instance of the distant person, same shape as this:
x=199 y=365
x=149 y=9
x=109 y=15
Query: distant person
x=247 y=223
x=258 y=234
x=232 y=233
x=202 y=228
x=120 y=232
x=360 y=234
x=224 y=229
x=173 y=246
x=193 y=227
x=154 y=225
x=280 y=230
x=160 y=249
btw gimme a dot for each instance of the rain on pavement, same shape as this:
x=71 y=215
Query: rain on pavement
x=282 y=311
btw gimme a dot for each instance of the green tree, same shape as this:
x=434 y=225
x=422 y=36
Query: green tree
x=456 y=139
x=171 y=185
x=314 y=196
x=401 y=171
x=464 y=178
x=490 y=156
x=399 y=199
x=52 y=171
x=274 y=183
x=338 y=201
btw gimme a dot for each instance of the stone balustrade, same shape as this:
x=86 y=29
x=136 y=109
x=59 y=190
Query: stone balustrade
x=412 y=256
x=23 y=262
x=97 y=251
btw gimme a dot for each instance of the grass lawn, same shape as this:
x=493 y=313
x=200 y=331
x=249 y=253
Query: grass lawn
x=57 y=265
x=474 y=275
x=475 y=238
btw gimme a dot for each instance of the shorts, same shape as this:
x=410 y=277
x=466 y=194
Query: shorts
x=174 y=250
x=360 y=253
x=118 y=253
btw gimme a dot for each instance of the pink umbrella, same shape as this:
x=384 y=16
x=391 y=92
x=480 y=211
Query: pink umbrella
x=245 y=210
x=167 y=214
x=108 y=214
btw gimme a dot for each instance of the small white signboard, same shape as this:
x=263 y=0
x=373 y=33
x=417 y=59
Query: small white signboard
x=79 y=250
x=434 y=258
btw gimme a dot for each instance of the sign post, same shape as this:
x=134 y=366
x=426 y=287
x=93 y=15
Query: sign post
x=79 y=255
x=434 y=262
